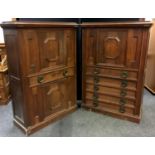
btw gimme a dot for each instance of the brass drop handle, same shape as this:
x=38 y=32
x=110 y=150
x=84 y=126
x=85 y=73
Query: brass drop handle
x=96 y=79
x=123 y=93
x=65 y=73
x=40 y=79
x=122 y=101
x=124 y=83
x=95 y=103
x=96 y=72
x=96 y=88
x=124 y=74
x=122 y=109
x=95 y=97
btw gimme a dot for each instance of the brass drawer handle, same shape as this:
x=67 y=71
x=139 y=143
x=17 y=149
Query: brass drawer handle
x=122 y=109
x=95 y=101
x=65 y=73
x=124 y=74
x=124 y=83
x=95 y=97
x=40 y=79
x=95 y=104
x=96 y=72
x=96 y=79
x=96 y=88
x=122 y=101
x=123 y=93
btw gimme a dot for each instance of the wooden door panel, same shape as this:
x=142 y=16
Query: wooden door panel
x=90 y=45
x=69 y=47
x=51 y=45
x=54 y=97
x=111 y=47
x=30 y=51
x=35 y=112
x=134 y=48
x=50 y=98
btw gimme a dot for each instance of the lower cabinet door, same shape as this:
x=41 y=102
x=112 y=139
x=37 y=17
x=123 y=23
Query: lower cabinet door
x=57 y=96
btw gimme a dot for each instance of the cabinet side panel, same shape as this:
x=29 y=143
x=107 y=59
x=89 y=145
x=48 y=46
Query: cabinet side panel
x=14 y=74
x=141 y=76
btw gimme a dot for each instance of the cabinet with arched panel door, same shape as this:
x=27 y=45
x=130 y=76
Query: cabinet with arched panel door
x=114 y=56
x=42 y=68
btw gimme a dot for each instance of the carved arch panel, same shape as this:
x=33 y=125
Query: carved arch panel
x=112 y=47
x=54 y=97
x=51 y=46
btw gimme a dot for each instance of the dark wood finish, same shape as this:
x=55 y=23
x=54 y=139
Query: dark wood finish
x=114 y=56
x=42 y=68
x=4 y=78
x=150 y=74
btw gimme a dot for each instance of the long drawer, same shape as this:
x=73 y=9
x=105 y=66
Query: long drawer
x=111 y=90
x=111 y=106
x=105 y=81
x=121 y=73
x=109 y=98
x=51 y=76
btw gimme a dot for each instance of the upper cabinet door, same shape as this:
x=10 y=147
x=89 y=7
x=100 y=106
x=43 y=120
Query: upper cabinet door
x=51 y=46
x=46 y=49
x=29 y=51
x=57 y=48
x=111 y=47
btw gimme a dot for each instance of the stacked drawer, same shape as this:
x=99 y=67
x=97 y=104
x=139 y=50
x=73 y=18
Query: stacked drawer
x=111 y=88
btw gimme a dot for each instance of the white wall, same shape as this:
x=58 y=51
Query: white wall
x=1 y=31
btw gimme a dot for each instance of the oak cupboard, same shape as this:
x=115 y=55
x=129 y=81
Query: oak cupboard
x=41 y=61
x=114 y=56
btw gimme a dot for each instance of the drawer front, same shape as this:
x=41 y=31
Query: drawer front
x=111 y=90
x=111 y=82
x=98 y=100
x=52 y=76
x=114 y=73
x=110 y=107
x=108 y=98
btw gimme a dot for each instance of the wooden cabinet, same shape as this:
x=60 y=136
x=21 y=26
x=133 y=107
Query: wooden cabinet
x=4 y=79
x=150 y=74
x=114 y=57
x=42 y=68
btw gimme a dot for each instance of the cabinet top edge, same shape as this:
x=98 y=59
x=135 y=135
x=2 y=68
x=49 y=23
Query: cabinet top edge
x=16 y=24
x=117 y=24
x=12 y=24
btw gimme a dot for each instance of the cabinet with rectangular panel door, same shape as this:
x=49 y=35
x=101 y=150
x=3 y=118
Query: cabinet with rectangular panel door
x=41 y=59
x=114 y=57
